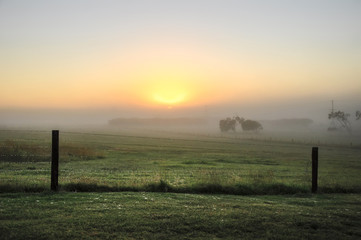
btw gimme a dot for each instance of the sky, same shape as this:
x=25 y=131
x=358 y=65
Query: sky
x=159 y=56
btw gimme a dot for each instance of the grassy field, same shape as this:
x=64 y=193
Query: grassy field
x=160 y=161
x=157 y=161
x=136 y=185
x=129 y=215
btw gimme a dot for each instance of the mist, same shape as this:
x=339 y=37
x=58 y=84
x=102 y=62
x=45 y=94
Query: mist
x=203 y=60
x=202 y=119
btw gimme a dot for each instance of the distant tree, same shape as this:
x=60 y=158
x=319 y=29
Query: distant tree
x=227 y=124
x=358 y=115
x=249 y=125
x=341 y=118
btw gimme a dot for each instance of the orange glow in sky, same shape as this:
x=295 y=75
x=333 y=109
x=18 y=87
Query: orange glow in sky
x=173 y=54
x=160 y=74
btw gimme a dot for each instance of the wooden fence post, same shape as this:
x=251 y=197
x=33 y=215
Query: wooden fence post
x=314 y=169
x=55 y=160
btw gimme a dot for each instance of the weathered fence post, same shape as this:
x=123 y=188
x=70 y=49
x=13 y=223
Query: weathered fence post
x=55 y=160
x=314 y=169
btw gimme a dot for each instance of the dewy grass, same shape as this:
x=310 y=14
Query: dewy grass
x=101 y=162
x=142 y=215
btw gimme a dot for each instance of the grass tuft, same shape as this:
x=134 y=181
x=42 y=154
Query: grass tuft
x=13 y=188
x=161 y=186
x=94 y=187
x=205 y=188
x=339 y=189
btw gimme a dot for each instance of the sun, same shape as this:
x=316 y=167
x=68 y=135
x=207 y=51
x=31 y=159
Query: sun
x=169 y=95
x=168 y=85
x=169 y=99
x=168 y=88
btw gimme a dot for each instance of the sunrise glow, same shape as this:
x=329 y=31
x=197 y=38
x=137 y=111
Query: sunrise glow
x=169 y=90
x=169 y=99
x=217 y=53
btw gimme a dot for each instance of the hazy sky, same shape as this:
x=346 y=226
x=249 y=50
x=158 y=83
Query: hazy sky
x=166 y=54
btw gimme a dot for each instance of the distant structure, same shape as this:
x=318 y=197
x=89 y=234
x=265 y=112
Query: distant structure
x=339 y=120
x=332 y=126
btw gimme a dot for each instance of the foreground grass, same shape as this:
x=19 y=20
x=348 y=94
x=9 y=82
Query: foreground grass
x=129 y=215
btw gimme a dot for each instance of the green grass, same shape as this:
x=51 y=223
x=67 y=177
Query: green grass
x=142 y=215
x=136 y=185
x=139 y=161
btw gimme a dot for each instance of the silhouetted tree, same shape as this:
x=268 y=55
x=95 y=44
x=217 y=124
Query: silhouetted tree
x=358 y=115
x=227 y=124
x=341 y=118
x=249 y=125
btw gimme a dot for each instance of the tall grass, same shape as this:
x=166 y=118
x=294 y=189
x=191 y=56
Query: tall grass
x=16 y=151
x=12 y=151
